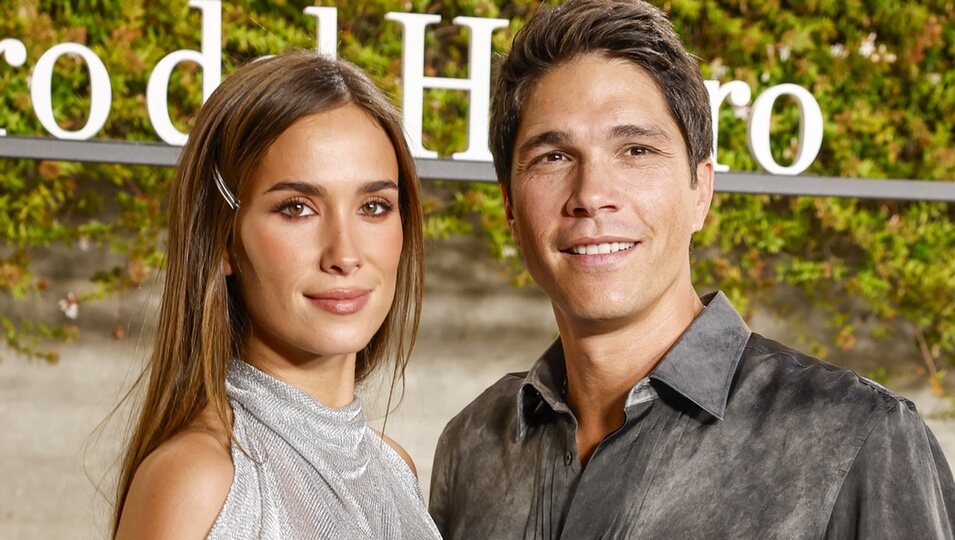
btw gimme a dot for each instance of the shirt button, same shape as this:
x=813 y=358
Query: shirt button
x=568 y=457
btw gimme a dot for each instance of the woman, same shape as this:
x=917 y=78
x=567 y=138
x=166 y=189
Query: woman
x=294 y=269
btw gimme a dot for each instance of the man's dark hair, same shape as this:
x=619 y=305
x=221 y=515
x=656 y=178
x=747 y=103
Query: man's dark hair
x=630 y=30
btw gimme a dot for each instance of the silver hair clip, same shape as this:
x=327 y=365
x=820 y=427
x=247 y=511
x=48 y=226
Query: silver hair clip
x=230 y=199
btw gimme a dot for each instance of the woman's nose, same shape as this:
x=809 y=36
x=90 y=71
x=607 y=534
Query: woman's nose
x=340 y=254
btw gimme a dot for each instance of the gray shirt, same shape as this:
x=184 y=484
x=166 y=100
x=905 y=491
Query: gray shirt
x=732 y=435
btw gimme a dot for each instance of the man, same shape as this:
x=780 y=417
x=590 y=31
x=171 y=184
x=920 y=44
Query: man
x=656 y=414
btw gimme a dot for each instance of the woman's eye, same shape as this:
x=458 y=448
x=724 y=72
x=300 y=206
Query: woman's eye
x=297 y=209
x=375 y=208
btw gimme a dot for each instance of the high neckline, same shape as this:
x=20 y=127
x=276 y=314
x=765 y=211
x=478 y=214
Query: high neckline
x=297 y=416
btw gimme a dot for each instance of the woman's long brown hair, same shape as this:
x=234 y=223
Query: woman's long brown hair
x=202 y=320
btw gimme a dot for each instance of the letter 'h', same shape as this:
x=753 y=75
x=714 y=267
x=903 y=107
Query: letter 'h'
x=478 y=82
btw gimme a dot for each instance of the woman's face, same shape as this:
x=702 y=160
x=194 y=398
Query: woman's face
x=319 y=239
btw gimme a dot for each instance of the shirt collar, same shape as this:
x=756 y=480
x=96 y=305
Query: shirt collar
x=700 y=366
x=544 y=383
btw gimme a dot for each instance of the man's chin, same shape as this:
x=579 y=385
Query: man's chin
x=598 y=316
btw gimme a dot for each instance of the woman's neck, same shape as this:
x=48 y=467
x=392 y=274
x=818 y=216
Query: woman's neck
x=329 y=379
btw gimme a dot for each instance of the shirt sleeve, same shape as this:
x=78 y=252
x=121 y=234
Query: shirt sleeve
x=900 y=484
x=440 y=504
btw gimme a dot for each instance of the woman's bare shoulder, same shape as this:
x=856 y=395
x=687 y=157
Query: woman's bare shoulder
x=180 y=488
x=399 y=450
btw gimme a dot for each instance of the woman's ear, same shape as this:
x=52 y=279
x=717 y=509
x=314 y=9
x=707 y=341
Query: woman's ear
x=227 y=266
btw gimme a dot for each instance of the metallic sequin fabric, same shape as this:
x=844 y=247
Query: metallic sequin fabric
x=303 y=470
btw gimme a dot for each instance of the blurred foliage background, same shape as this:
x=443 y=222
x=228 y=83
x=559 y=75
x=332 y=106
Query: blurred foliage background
x=882 y=71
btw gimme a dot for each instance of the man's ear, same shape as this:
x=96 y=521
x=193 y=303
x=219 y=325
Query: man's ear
x=509 y=215
x=704 y=192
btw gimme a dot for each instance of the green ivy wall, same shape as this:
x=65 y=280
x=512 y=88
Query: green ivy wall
x=882 y=72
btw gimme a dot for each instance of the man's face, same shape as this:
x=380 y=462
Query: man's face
x=601 y=203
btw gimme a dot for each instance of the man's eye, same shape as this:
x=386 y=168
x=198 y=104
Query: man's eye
x=637 y=150
x=551 y=157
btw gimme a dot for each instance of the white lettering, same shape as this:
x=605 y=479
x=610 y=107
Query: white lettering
x=810 y=129
x=738 y=94
x=15 y=53
x=414 y=82
x=327 y=29
x=101 y=94
x=478 y=82
x=210 y=60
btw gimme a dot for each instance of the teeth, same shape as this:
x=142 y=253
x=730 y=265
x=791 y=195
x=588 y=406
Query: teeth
x=604 y=248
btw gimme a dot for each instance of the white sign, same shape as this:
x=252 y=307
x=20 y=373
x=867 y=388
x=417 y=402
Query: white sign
x=477 y=84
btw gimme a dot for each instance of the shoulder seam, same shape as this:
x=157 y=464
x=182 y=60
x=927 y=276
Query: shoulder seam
x=878 y=388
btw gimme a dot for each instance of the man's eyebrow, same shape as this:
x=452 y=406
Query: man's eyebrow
x=551 y=137
x=626 y=131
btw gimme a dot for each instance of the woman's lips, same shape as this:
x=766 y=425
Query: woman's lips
x=344 y=302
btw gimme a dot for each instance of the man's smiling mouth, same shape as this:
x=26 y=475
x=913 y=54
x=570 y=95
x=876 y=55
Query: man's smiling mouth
x=601 y=248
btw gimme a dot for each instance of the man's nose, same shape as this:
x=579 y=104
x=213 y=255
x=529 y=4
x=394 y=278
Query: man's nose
x=594 y=190
x=340 y=253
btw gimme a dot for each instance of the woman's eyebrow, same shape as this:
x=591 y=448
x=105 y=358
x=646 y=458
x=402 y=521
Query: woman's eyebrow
x=316 y=190
x=377 y=185
x=305 y=188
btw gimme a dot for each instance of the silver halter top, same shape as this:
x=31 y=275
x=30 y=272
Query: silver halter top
x=304 y=470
